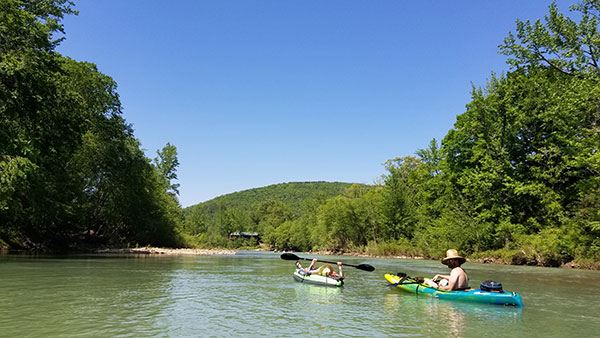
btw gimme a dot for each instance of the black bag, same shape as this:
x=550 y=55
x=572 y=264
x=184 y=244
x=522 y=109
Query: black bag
x=490 y=285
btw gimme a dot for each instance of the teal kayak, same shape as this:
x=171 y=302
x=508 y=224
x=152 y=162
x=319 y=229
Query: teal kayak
x=471 y=295
x=303 y=277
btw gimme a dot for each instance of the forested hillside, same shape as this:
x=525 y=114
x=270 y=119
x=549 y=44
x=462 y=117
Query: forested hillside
x=248 y=210
x=292 y=194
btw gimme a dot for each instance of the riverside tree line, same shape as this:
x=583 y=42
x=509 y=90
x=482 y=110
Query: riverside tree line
x=518 y=177
x=71 y=171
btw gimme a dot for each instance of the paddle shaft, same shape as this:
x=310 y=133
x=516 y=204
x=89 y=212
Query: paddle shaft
x=310 y=259
x=291 y=256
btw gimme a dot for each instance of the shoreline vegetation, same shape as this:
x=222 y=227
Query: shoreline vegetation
x=481 y=258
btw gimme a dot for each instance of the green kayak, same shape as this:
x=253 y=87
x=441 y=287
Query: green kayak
x=303 y=277
x=471 y=295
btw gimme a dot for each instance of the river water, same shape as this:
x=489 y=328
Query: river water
x=254 y=294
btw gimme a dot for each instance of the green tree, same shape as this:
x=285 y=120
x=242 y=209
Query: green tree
x=338 y=226
x=166 y=163
x=269 y=215
x=522 y=151
x=570 y=47
x=399 y=206
x=70 y=167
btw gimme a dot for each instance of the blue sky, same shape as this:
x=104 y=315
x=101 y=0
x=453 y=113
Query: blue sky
x=254 y=93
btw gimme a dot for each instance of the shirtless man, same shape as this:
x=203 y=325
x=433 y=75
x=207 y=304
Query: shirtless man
x=457 y=280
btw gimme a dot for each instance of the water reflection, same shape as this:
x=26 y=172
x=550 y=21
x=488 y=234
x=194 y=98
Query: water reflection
x=445 y=314
x=318 y=294
x=452 y=318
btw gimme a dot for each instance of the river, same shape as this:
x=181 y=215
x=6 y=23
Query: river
x=254 y=294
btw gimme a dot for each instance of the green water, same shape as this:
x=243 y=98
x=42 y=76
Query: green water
x=254 y=294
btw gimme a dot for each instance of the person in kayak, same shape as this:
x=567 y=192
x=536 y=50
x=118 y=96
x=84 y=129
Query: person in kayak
x=457 y=280
x=324 y=270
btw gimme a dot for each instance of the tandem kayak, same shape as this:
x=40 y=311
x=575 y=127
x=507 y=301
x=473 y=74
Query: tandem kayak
x=471 y=295
x=303 y=277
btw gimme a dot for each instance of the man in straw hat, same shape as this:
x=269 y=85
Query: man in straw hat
x=457 y=280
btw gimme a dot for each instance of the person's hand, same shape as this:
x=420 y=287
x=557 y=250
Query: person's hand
x=430 y=283
x=314 y=260
x=339 y=264
x=436 y=277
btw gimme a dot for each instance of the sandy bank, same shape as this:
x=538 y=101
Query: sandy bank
x=166 y=251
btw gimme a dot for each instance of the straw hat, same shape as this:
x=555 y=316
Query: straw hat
x=451 y=253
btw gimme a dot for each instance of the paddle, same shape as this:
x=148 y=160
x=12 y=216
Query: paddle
x=291 y=257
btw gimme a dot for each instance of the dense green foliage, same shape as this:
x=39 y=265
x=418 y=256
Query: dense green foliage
x=71 y=170
x=518 y=177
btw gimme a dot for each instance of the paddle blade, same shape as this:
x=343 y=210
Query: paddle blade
x=365 y=267
x=289 y=256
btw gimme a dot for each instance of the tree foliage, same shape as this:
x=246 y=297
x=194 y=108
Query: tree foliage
x=71 y=170
x=570 y=47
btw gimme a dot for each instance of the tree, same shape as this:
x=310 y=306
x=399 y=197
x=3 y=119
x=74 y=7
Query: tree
x=572 y=49
x=166 y=163
x=561 y=43
x=522 y=152
x=70 y=167
x=338 y=225
x=399 y=205
x=269 y=215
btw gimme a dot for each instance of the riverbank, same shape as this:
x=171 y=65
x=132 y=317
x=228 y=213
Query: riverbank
x=584 y=265
x=167 y=251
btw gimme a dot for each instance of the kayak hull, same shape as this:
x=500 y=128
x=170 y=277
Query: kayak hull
x=302 y=277
x=470 y=296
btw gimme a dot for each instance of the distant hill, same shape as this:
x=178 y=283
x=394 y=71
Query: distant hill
x=292 y=194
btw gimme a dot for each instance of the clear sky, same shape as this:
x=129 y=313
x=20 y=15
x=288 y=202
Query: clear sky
x=259 y=92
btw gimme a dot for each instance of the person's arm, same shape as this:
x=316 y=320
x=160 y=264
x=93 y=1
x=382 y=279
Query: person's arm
x=452 y=280
x=339 y=264
x=438 y=277
x=312 y=264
